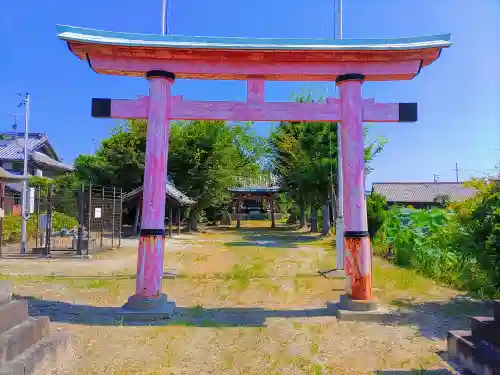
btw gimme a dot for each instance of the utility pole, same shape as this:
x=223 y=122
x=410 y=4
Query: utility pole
x=339 y=224
x=24 y=206
x=164 y=17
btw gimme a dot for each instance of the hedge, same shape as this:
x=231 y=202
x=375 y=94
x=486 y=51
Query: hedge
x=12 y=225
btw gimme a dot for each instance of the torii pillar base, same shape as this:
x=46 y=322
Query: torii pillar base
x=351 y=310
x=147 y=309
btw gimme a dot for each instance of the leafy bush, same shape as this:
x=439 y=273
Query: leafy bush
x=376 y=209
x=12 y=225
x=459 y=245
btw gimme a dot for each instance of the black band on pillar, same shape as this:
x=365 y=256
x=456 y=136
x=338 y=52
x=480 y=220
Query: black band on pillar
x=160 y=74
x=152 y=232
x=356 y=234
x=350 y=77
x=407 y=112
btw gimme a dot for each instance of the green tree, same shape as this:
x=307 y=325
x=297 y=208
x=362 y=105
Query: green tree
x=305 y=154
x=208 y=157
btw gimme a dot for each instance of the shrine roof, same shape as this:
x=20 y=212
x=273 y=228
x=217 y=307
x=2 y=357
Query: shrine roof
x=133 y=54
x=84 y=35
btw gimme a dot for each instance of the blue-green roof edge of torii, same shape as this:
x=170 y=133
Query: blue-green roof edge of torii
x=85 y=35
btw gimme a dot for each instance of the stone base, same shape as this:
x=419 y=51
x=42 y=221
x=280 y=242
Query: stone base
x=476 y=356
x=347 y=303
x=333 y=274
x=147 y=309
x=348 y=309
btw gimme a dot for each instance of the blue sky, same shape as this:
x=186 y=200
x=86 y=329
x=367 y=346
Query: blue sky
x=458 y=96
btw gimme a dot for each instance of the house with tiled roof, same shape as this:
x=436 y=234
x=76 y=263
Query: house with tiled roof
x=421 y=194
x=42 y=158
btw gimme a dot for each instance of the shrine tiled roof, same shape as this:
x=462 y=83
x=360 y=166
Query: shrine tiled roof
x=12 y=148
x=422 y=192
x=171 y=191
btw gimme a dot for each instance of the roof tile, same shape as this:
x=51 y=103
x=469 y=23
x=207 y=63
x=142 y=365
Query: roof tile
x=422 y=192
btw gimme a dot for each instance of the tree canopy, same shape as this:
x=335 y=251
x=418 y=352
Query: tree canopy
x=205 y=158
x=305 y=154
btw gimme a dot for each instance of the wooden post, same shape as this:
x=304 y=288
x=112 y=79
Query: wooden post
x=273 y=207
x=101 y=219
x=169 y=220
x=81 y=219
x=152 y=236
x=2 y=208
x=48 y=235
x=89 y=230
x=357 y=241
x=178 y=220
x=37 y=215
x=238 y=217
x=120 y=226
x=113 y=213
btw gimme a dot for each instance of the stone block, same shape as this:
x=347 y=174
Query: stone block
x=52 y=352
x=487 y=329
x=478 y=357
x=347 y=303
x=5 y=291
x=13 y=314
x=19 y=338
x=496 y=310
x=146 y=309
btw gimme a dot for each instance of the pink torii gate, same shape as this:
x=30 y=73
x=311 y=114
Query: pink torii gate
x=160 y=59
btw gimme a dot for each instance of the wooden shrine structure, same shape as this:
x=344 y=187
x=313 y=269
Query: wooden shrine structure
x=162 y=59
x=254 y=199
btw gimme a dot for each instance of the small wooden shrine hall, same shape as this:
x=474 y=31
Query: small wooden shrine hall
x=254 y=202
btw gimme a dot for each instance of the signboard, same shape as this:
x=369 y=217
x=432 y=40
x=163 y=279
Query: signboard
x=2 y=213
x=97 y=213
x=31 y=200
x=44 y=220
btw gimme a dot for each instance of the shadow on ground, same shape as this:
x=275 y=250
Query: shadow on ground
x=278 y=239
x=432 y=319
x=197 y=316
x=415 y=372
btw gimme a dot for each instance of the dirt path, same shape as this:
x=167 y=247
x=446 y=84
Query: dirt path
x=249 y=302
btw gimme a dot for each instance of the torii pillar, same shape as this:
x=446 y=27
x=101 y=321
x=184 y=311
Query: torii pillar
x=148 y=295
x=358 y=252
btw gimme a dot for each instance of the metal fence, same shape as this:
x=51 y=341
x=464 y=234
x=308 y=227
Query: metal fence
x=81 y=220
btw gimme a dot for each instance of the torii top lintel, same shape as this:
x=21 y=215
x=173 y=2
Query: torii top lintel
x=243 y=58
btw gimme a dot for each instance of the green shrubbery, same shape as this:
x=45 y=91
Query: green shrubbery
x=459 y=245
x=12 y=225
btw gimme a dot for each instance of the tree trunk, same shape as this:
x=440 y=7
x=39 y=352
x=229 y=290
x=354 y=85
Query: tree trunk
x=326 y=219
x=302 y=215
x=314 y=219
